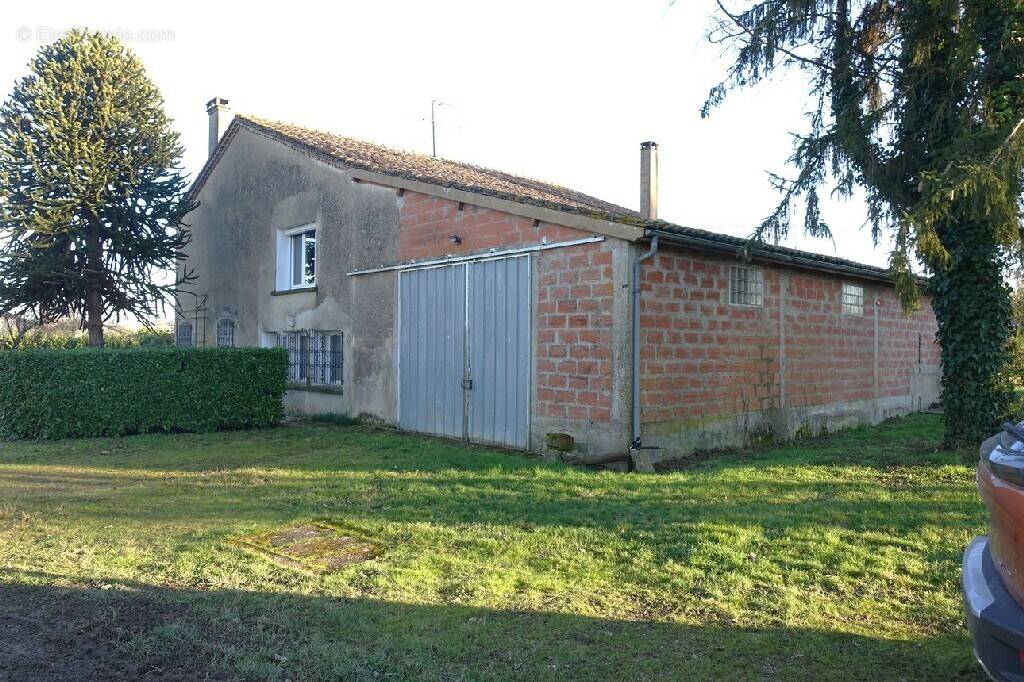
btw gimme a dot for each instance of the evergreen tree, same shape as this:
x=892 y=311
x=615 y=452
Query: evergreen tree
x=920 y=104
x=92 y=194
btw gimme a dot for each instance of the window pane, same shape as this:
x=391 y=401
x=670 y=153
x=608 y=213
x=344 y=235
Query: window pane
x=290 y=342
x=314 y=357
x=318 y=358
x=225 y=333
x=852 y=299
x=335 y=359
x=309 y=260
x=303 y=356
x=185 y=334
x=746 y=286
x=296 y=241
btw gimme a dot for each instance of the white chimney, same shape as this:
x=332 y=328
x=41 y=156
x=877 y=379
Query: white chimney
x=649 y=180
x=219 y=112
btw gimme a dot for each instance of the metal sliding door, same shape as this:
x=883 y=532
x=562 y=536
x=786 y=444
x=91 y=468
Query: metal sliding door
x=499 y=343
x=464 y=351
x=432 y=354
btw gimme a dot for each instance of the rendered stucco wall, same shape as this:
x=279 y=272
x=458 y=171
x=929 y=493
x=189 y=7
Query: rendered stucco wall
x=260 y=187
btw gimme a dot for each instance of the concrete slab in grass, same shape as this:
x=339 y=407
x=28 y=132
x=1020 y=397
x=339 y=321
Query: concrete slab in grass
x=316 y=546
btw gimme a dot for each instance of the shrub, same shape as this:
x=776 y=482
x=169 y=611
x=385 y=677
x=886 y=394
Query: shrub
x=64 y=338
x=111 y=392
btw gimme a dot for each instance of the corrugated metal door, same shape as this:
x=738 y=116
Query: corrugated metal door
x=432 y=351
x=483 y=307
x=499 y=351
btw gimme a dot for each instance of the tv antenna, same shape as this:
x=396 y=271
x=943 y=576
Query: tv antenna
x=434 y=105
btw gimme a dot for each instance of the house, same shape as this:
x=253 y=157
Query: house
x=470 y=303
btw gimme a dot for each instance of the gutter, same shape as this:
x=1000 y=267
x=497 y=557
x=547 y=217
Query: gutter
x=772 y=256
x=486 y=255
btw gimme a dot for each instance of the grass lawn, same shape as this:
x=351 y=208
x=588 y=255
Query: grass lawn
x=839 y=559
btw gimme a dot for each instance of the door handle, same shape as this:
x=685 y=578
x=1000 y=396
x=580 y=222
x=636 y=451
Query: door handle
x=467 y=384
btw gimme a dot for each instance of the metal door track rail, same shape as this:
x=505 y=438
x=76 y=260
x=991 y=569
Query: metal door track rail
x=477 y=257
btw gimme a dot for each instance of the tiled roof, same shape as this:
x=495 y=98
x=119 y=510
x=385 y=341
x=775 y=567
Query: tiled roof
x=379 y=159
x=386 y=161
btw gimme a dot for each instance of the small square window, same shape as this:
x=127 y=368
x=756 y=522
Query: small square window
x=225 y=333
x=746 y=286
x=853 y=299
x=184 y=335
x=303 y=258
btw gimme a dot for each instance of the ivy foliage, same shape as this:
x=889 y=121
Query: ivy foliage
x=47 y=394
x=920 y=105
x=92 y=190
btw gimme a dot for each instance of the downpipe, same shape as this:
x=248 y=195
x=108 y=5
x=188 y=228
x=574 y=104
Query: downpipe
x=636 y=440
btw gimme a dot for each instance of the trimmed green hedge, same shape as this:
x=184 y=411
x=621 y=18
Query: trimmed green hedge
x=112 y=392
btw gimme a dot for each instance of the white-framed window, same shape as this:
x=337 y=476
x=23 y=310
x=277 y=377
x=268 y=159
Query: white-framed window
x=296 y=258
x=314 y=357
x=183 y=335
x=746 y=285
x=226 y=333
x=853 y=299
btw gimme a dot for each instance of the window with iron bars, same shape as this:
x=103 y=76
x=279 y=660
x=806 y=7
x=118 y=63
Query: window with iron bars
x=225 y=333
x=746 y=286
x=314 y=357
x=184 y=335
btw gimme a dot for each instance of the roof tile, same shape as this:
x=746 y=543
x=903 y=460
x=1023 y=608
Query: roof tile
x=376 y=158
x=413 y=166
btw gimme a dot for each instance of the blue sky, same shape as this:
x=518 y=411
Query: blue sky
x=559 y=91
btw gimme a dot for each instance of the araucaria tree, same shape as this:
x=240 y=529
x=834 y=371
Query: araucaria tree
x=920 y=105
x=92 y=194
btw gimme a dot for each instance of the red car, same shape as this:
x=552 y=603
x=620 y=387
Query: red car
x=993 y=569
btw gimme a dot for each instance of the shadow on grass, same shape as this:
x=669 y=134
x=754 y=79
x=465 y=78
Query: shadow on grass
x=123 y=630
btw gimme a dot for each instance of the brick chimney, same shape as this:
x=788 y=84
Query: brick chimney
x=649 y=180
x=219 y=112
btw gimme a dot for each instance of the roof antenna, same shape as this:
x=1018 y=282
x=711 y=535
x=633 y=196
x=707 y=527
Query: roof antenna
x=433 y=125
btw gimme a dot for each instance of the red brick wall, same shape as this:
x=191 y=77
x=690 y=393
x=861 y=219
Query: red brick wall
x=427 y=223
x=574 y=332
x=905 y=343
x=702 y=358
x=574 y=296
x=829 y=356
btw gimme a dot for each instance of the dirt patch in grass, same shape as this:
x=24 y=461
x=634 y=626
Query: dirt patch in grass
x=316 y=547
x=78 y=634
